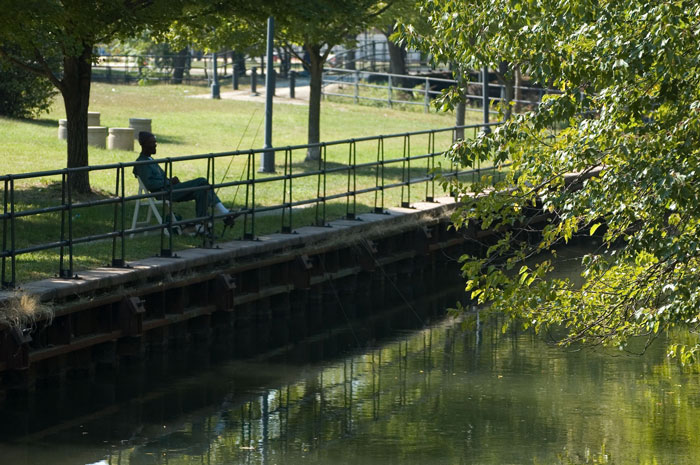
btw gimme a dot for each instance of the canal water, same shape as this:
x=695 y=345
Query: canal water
x=407 y=386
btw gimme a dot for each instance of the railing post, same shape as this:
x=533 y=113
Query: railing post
x=166 y=214
x=357 y=86
x=352 y=182
x=208 y=237
x=321 y=188
x=250 y=197
x=406 y=172
x=67 y=205
x=9 y=192
x=119 y=262
x=380 y=168
x=234 y=77
x=287 y=203
x=430 y=166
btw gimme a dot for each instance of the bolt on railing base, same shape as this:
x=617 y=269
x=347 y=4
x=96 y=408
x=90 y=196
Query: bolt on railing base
x=66 y=274
x=119 y=263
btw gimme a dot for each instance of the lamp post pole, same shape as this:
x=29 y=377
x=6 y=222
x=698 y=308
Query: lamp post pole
x=267 y=161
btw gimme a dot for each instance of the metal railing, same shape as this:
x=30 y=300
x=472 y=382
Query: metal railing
x=63 y=218
x=394 y=85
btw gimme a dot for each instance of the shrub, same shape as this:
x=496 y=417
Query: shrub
x=23 y=94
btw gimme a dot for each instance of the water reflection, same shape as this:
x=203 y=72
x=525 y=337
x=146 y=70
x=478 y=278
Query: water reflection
x=439 y=394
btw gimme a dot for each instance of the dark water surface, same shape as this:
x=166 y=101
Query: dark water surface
x=376 y=393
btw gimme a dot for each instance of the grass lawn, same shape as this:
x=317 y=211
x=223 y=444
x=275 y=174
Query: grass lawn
x=187 y=126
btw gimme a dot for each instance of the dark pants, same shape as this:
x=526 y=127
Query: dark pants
x=203 y=199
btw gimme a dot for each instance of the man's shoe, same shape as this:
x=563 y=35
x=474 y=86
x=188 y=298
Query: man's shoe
x=230 y=220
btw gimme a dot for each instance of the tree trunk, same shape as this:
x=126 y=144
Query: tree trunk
x=397 y=59
x=314 y=129
x=179 y=63
x=459 y=120
x=350 y=59
x=239 y=61
x=507 y=81
x=76 y=98
x=518 y=91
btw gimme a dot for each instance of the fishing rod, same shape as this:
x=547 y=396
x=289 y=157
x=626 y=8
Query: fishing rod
x=240 y=178
x=237 y=147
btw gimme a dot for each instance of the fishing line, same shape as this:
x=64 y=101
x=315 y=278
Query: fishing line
x=245 y=167
x=365 y=244
x=237 y=147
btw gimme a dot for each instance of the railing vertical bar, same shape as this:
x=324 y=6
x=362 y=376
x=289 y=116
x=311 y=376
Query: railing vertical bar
x=166 y=205
x=115 y=217
x=287 y=200
x=319 y=198
x=429 y=168
x=5 y=283
x=284 y=194
x=123 y=228
x=13 y=261
x=70 y=225
x=61 y=259
x=405 y=173
x=208 y=236
x=324 y=161
x=248 y=188
x=351 y=182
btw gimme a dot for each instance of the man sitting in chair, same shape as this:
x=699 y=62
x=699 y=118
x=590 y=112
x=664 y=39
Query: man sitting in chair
x=155 y=180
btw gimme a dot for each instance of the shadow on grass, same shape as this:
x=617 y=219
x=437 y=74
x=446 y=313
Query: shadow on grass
x=168 y=139
x=392 y=172
x=45 y=122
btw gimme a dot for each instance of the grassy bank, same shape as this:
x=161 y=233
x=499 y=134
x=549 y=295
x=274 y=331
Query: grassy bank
x=186 y=125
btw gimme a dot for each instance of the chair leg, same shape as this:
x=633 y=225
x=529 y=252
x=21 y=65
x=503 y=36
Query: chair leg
x=135 y=218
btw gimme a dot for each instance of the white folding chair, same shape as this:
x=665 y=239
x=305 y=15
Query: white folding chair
x=152 y=210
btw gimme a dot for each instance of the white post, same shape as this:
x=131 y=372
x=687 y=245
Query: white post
x=357 y=86
x=427 y=95
x=389 y=93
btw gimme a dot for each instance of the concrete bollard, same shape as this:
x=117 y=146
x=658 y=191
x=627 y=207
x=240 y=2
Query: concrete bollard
x=63 y=129
x=93 y=118
x=140 y=124
x=97 y=136
x=254 y=81
x=121 y=139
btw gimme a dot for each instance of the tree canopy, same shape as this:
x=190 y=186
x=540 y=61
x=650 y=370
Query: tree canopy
x=34 y=33
x=318 y=26
x=626 y=124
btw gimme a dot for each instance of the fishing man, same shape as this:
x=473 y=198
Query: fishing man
x=155 y=180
